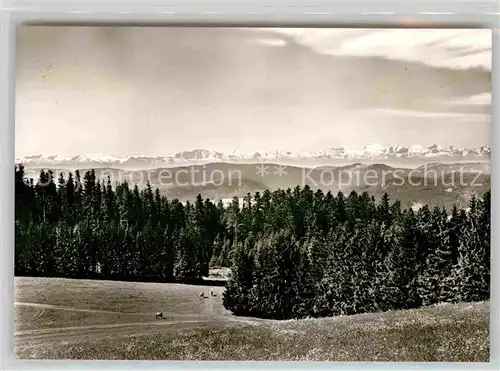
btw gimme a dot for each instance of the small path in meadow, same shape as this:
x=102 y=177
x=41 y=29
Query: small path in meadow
x=90 y=310
x=28 y=338
x=65 y=330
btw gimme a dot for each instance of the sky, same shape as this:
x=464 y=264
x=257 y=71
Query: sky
x=156 y=90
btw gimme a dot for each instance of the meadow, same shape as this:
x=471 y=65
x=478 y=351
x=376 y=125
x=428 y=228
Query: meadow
x=88 y=319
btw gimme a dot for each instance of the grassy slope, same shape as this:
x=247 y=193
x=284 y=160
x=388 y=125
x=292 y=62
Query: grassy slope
x=440 y=333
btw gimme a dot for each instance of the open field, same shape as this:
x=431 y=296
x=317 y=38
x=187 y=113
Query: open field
x=83 y=319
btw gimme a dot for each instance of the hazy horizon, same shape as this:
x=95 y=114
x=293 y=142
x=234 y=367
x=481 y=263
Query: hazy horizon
x=155 y=91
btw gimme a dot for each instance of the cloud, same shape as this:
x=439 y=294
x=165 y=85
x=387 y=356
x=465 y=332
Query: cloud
x=223 y=88
x=478 y=99
x=272 y=42
x=455 y=49
x=424 y=114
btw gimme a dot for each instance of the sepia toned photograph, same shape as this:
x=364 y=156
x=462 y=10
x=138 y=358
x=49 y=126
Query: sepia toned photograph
x=276 y=194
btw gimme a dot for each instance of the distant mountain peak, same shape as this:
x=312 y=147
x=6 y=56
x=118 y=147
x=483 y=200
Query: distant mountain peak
x=370 y=152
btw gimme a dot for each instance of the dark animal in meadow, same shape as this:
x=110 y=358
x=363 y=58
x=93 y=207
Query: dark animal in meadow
x=212 y=294
x=159 y=315
x=202 y=294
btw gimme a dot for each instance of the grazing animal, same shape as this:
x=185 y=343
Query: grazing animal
x=212 y=294
x=202 y=294
x=159 y=315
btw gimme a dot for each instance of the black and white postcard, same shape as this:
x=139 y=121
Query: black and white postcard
x=291 y=194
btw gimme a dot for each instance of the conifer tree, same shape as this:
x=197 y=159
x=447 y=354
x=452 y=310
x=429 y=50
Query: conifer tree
x=293 y=253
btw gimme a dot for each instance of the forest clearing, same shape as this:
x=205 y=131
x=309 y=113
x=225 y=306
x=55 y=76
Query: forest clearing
x=88 y=319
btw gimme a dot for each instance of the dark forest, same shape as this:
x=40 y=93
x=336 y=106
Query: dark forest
x=293 y=252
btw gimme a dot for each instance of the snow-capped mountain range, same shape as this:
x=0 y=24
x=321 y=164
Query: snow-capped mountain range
x=371 y=152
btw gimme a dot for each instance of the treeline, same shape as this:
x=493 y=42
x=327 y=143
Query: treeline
x=335 y=255
x=293 y=253
x=86 y=228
